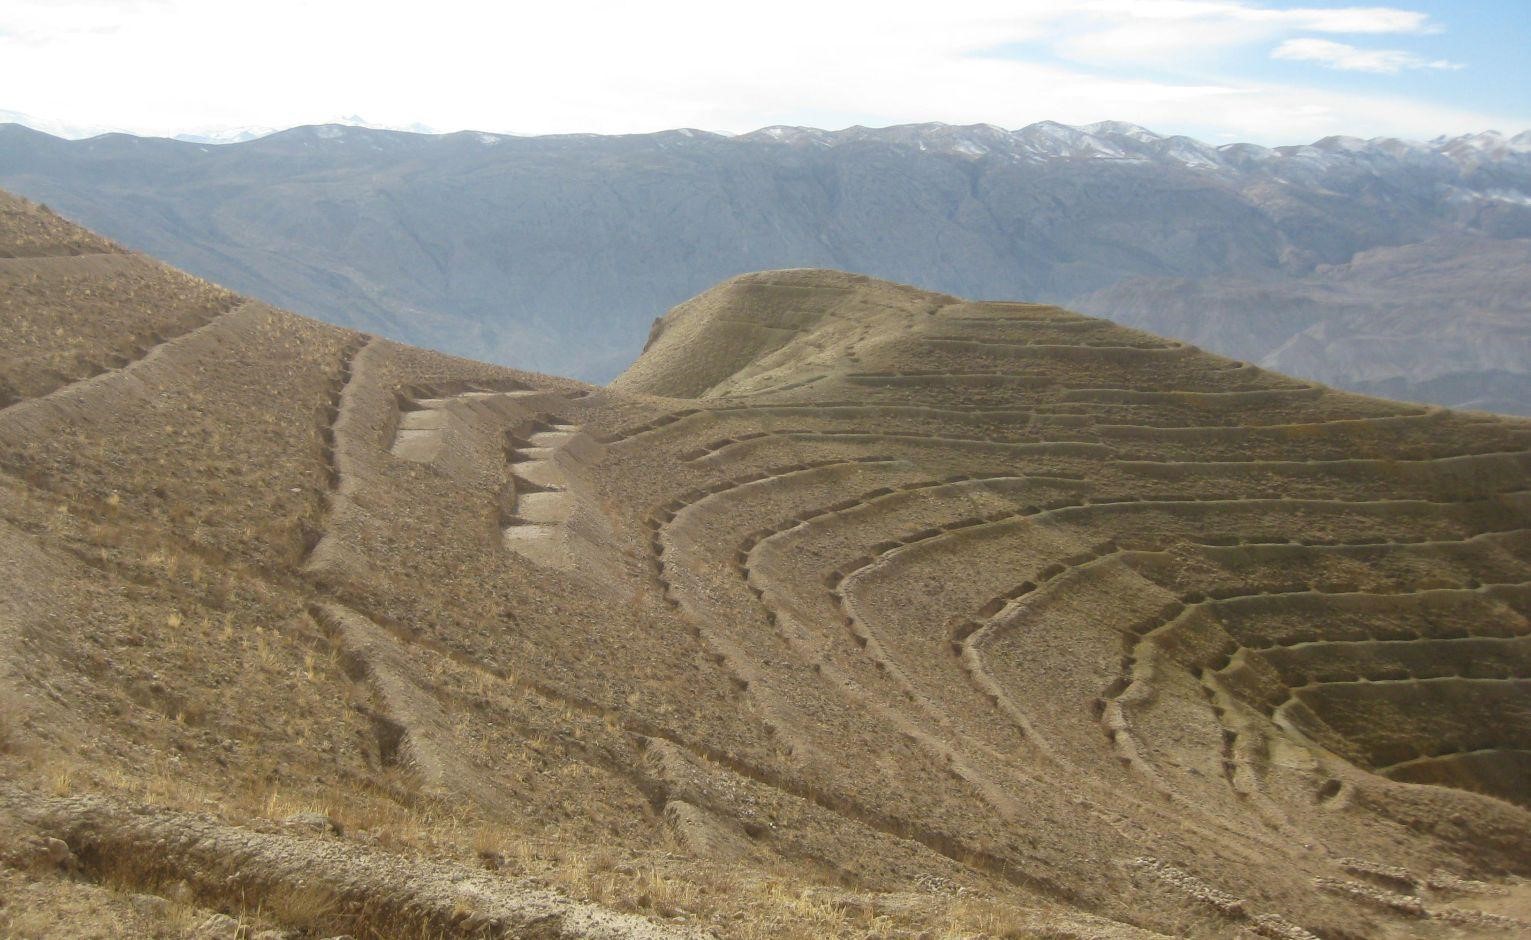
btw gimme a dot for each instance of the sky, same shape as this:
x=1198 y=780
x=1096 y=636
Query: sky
x=1219 y=70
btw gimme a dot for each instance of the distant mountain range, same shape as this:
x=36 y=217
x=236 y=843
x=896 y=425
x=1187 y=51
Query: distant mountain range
x=208 y=134
x=1393 y=267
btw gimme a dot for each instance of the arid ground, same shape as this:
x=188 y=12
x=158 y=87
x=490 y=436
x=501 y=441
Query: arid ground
x=848 y=610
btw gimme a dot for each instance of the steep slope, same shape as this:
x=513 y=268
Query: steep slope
x=1442 y=320
x=555 y=252
x=916 y=614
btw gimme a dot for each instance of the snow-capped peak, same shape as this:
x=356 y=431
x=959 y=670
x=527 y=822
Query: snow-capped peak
x=1049 y=141
x=226 y=135
x=56 y=128
x=1044 y=142
x=1482 y=147
x=1121 y=129
x=1342 y=143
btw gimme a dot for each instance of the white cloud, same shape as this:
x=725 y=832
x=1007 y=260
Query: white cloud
x=1348 y=58
x=1109 y=32
x=582 y=65
x=44 y=22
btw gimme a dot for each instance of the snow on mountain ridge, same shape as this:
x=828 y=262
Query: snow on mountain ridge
x=1040 y=142
x=226 y=135
x=56 y=128
x=1129 y=143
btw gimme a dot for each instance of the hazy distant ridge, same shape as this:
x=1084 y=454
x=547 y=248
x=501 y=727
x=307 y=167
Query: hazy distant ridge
x=1392 y=266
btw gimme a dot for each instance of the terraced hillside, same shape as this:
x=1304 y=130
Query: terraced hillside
x=849 y=610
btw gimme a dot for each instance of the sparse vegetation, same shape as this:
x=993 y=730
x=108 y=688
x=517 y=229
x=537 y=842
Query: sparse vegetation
x=931 y=618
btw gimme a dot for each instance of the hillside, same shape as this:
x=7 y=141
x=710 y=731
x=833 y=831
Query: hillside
x=1440 y=321
x=850 y=609
x=554 y=253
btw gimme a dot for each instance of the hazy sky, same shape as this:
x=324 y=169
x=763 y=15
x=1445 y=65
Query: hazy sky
x=1217 y=69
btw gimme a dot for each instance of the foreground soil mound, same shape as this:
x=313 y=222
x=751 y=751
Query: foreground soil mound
x=849 y=610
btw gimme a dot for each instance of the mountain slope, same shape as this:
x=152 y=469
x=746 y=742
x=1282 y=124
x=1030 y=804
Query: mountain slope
x=1440 y=320
x=553 y=253
x=918 y=614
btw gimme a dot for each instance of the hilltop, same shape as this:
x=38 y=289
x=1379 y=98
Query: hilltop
x=1384 y=266
x=849 y=609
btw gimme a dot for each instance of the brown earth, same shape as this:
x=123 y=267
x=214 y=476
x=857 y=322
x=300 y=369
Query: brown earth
x=849 y=610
